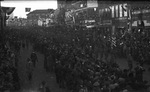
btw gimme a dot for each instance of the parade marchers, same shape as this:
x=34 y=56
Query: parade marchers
x=9 y=79
x=84 y=59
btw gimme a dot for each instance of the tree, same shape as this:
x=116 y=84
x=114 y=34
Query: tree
x=3 y=12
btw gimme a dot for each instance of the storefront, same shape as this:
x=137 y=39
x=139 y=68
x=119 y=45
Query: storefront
x=114 y=17
x=141 y=13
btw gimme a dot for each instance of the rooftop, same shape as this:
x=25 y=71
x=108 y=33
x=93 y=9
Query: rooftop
x=41 y=11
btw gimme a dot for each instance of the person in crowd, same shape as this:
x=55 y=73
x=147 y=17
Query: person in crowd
x=139 y=73
x=16 y=79
x=34 y=58
x=29 y=68
x=131 y=80
x=45 y=62
x=23 y=44
x=43 y=87
x=27 y=43
x=73 y=50
x=130 y=62
x=8 y=73
x=16 y=61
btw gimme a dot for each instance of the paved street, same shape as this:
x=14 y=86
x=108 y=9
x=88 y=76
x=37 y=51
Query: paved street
x=40 y=74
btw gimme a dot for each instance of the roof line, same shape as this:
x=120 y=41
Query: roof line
x=83 y=9
x=76 y=2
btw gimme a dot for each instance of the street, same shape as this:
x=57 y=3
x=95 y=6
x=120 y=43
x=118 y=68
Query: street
x=39 y=74
x=75 y=46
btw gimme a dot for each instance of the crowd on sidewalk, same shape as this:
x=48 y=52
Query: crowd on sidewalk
x=84 y=59
x=9 y=59
x=9 y=79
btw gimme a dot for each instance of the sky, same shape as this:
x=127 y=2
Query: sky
x=34 y=4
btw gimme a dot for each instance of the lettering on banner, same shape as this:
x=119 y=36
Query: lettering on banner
x=120 y=10
x=125 y=10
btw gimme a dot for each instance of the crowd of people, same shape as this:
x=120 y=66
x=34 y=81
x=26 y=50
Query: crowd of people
x=84 y=59
x=10 y=53
x=9 y=79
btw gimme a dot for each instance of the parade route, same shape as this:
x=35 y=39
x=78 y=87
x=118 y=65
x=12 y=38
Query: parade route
x=39 y=74
x=75 y=46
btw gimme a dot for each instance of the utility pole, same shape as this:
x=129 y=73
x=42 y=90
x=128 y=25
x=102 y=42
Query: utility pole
x=2 y=18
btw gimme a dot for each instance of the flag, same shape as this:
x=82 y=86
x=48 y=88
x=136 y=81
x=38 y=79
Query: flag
x=27 y=9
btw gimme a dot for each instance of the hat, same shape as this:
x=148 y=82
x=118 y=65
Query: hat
x=125 y=90
x=43 y=82
x=96 y=84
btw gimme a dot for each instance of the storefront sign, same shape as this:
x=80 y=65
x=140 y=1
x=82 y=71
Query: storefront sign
x=115 y=11
x=140 y=11
x=120 y=10
x=107 y=22
x=86 y=21
x=92 y=3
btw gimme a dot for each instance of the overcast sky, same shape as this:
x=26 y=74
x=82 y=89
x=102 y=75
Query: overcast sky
x=34 y=4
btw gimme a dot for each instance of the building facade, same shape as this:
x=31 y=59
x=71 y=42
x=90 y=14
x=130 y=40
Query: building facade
x=40 y=17
x=82 y=12
x=140 y=13
x=13 y=22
